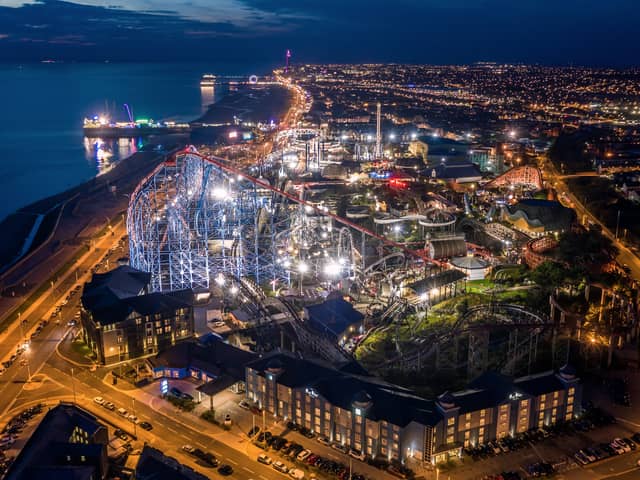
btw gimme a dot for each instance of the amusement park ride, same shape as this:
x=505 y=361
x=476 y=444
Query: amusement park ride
x=195 y=217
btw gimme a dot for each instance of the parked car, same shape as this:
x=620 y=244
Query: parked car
x=109 y=406
x=188 y=448
x=99 y=400
x=244 y=405
x=303 y=454
x=296 y=473
x=146 y=426
x=279 y=466
x=323 y=440
x=357 y=455
x=265 y=459
x=225 y=470
x=340 y=448
x=580 y=458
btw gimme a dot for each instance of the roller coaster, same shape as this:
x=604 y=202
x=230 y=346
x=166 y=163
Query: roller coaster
x=194 y=217
x=468 y=341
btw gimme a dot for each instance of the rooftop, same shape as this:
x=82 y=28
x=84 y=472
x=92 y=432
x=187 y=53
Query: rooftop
x=212 y=356
x=334 y=316
x=388 y=402
x=50 y=454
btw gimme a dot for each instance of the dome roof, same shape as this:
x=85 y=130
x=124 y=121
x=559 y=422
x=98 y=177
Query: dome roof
x=447 y=401
x=362 y=399
x=275 y=366
x=568 y=372
x=469 y=263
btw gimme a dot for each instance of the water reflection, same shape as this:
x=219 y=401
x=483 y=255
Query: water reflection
x=207 y=95
x=105 y=153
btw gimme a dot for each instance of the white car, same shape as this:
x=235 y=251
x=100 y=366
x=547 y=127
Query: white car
x=303 y=454
x=279 y=466
x=244 y=405
x=132 y=418
x=188 y=448
x=122 y=412
x=99 y=400
x=357 y=455
x=296 y=473
x=262 y=458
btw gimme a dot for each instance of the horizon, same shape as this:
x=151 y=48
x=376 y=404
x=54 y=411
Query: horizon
x=588 y=33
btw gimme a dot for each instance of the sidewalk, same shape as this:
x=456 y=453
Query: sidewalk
x=233 y=438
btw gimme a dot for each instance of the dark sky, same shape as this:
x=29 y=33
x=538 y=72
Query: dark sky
x=558 y=32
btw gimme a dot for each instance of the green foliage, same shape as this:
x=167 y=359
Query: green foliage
x=585 y=248
x=210 y=416
x=182 y=403
x=550 y=275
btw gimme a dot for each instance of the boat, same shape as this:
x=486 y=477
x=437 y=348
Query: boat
x=208 y=80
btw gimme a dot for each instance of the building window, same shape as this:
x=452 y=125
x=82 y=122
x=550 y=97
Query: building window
x=451 y=421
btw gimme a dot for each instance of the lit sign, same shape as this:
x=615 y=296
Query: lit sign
x=164 y=386
x=358 y=412
x=515 y=396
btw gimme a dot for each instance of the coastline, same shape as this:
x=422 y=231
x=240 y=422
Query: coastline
x=69 y=217
x=31 y=227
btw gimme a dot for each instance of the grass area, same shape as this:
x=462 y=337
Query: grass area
x=479 y=286
x=81 y=348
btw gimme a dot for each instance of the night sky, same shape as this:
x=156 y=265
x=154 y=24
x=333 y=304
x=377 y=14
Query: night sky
x=556 y=32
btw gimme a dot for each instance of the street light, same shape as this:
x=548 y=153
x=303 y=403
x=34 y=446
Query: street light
x=302 y=269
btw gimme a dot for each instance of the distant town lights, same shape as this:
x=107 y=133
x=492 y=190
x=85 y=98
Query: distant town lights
x=303 y=267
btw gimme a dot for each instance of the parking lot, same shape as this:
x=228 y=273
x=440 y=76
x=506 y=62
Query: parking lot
x=554 y=450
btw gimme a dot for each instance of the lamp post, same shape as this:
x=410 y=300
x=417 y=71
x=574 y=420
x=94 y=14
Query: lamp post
x=220 y=280
x=302 y=269
x=73 y=386
x=133 y=410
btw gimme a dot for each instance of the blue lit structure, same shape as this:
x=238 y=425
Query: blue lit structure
x=193 y=218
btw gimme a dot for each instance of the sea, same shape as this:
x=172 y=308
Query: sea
x=42 y=106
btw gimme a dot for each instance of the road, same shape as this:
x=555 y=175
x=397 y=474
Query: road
x=44 y=306
x=625 y=256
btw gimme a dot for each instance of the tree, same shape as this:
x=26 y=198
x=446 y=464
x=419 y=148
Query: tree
x=550 y=275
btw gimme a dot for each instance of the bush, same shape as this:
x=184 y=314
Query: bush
x=210 y=416
x=182 y=403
